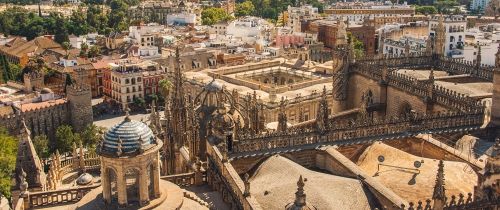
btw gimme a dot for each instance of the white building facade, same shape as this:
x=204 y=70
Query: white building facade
x=454 y=34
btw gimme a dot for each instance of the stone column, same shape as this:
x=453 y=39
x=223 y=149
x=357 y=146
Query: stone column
x=143 y=185
x=106 y=185
x=156 y=178
x=121 y=187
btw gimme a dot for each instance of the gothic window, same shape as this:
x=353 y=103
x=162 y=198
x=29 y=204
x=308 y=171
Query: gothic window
x=405 y=110
x=139 y=79
x=127 y=81
x=128 y=90
x=452 y=39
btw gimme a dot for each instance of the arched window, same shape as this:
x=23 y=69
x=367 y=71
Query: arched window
x=405 y=110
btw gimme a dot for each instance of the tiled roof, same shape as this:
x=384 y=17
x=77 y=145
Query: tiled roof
x=19 y=47
x=40 y=105
x=129 y=132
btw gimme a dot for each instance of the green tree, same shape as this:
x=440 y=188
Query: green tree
x=165 y=86
x=66 y=46
x=359 y=47
x=91 y=135
x=4 y=67
x=61 y=33
x=16 y=72
x=41 y=144
x=94 y=51
x=425 y=10
x=445 y=6
x=78 y=22
x=8 y=152
x=65 y=138
x=214 y=15
x=68 y=81
x=83 y=49
x=139 y=102
x=244 y=9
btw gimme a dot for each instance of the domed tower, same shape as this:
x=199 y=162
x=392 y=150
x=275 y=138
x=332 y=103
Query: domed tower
x=220 y=118
x=130 y=169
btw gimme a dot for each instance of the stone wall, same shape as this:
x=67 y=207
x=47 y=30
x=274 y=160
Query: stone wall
x=358 y=84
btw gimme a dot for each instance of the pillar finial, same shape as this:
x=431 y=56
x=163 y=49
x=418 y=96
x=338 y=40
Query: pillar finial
x=439 y=190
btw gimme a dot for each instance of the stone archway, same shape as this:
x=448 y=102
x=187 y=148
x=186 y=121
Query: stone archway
x=132 y=185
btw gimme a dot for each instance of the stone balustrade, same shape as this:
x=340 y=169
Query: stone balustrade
x=184 y=179
x=223 y=177
x=460 y=202
x=446 y=97
x=45 y=198
x=361 y=130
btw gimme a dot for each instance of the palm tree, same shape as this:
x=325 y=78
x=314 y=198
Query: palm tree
x=165 y=86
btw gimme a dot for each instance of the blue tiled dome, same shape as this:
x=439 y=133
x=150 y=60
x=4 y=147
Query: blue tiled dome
x=129 y=132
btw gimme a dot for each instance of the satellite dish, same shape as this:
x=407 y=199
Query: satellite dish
x=381 y=158
x=417 y=164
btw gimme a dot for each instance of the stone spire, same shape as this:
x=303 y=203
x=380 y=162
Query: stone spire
x=407 y=48
x=27 y=159
x=178 y=103
x=176 y=114
x=154 y=118
x=246 y=181
x=300 y=198
x=440 y=37
x=439 y=196
x=428 y=45
x=478 y=57
x=81 y=157
x=282 y=119
x=497 y=57
x=322 y=113
x=430 y=85
x=127 y=114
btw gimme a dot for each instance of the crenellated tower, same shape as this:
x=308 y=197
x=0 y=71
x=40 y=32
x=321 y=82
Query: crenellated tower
x=80 y=105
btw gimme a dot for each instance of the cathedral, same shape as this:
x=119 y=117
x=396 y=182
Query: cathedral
x=416 y=131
